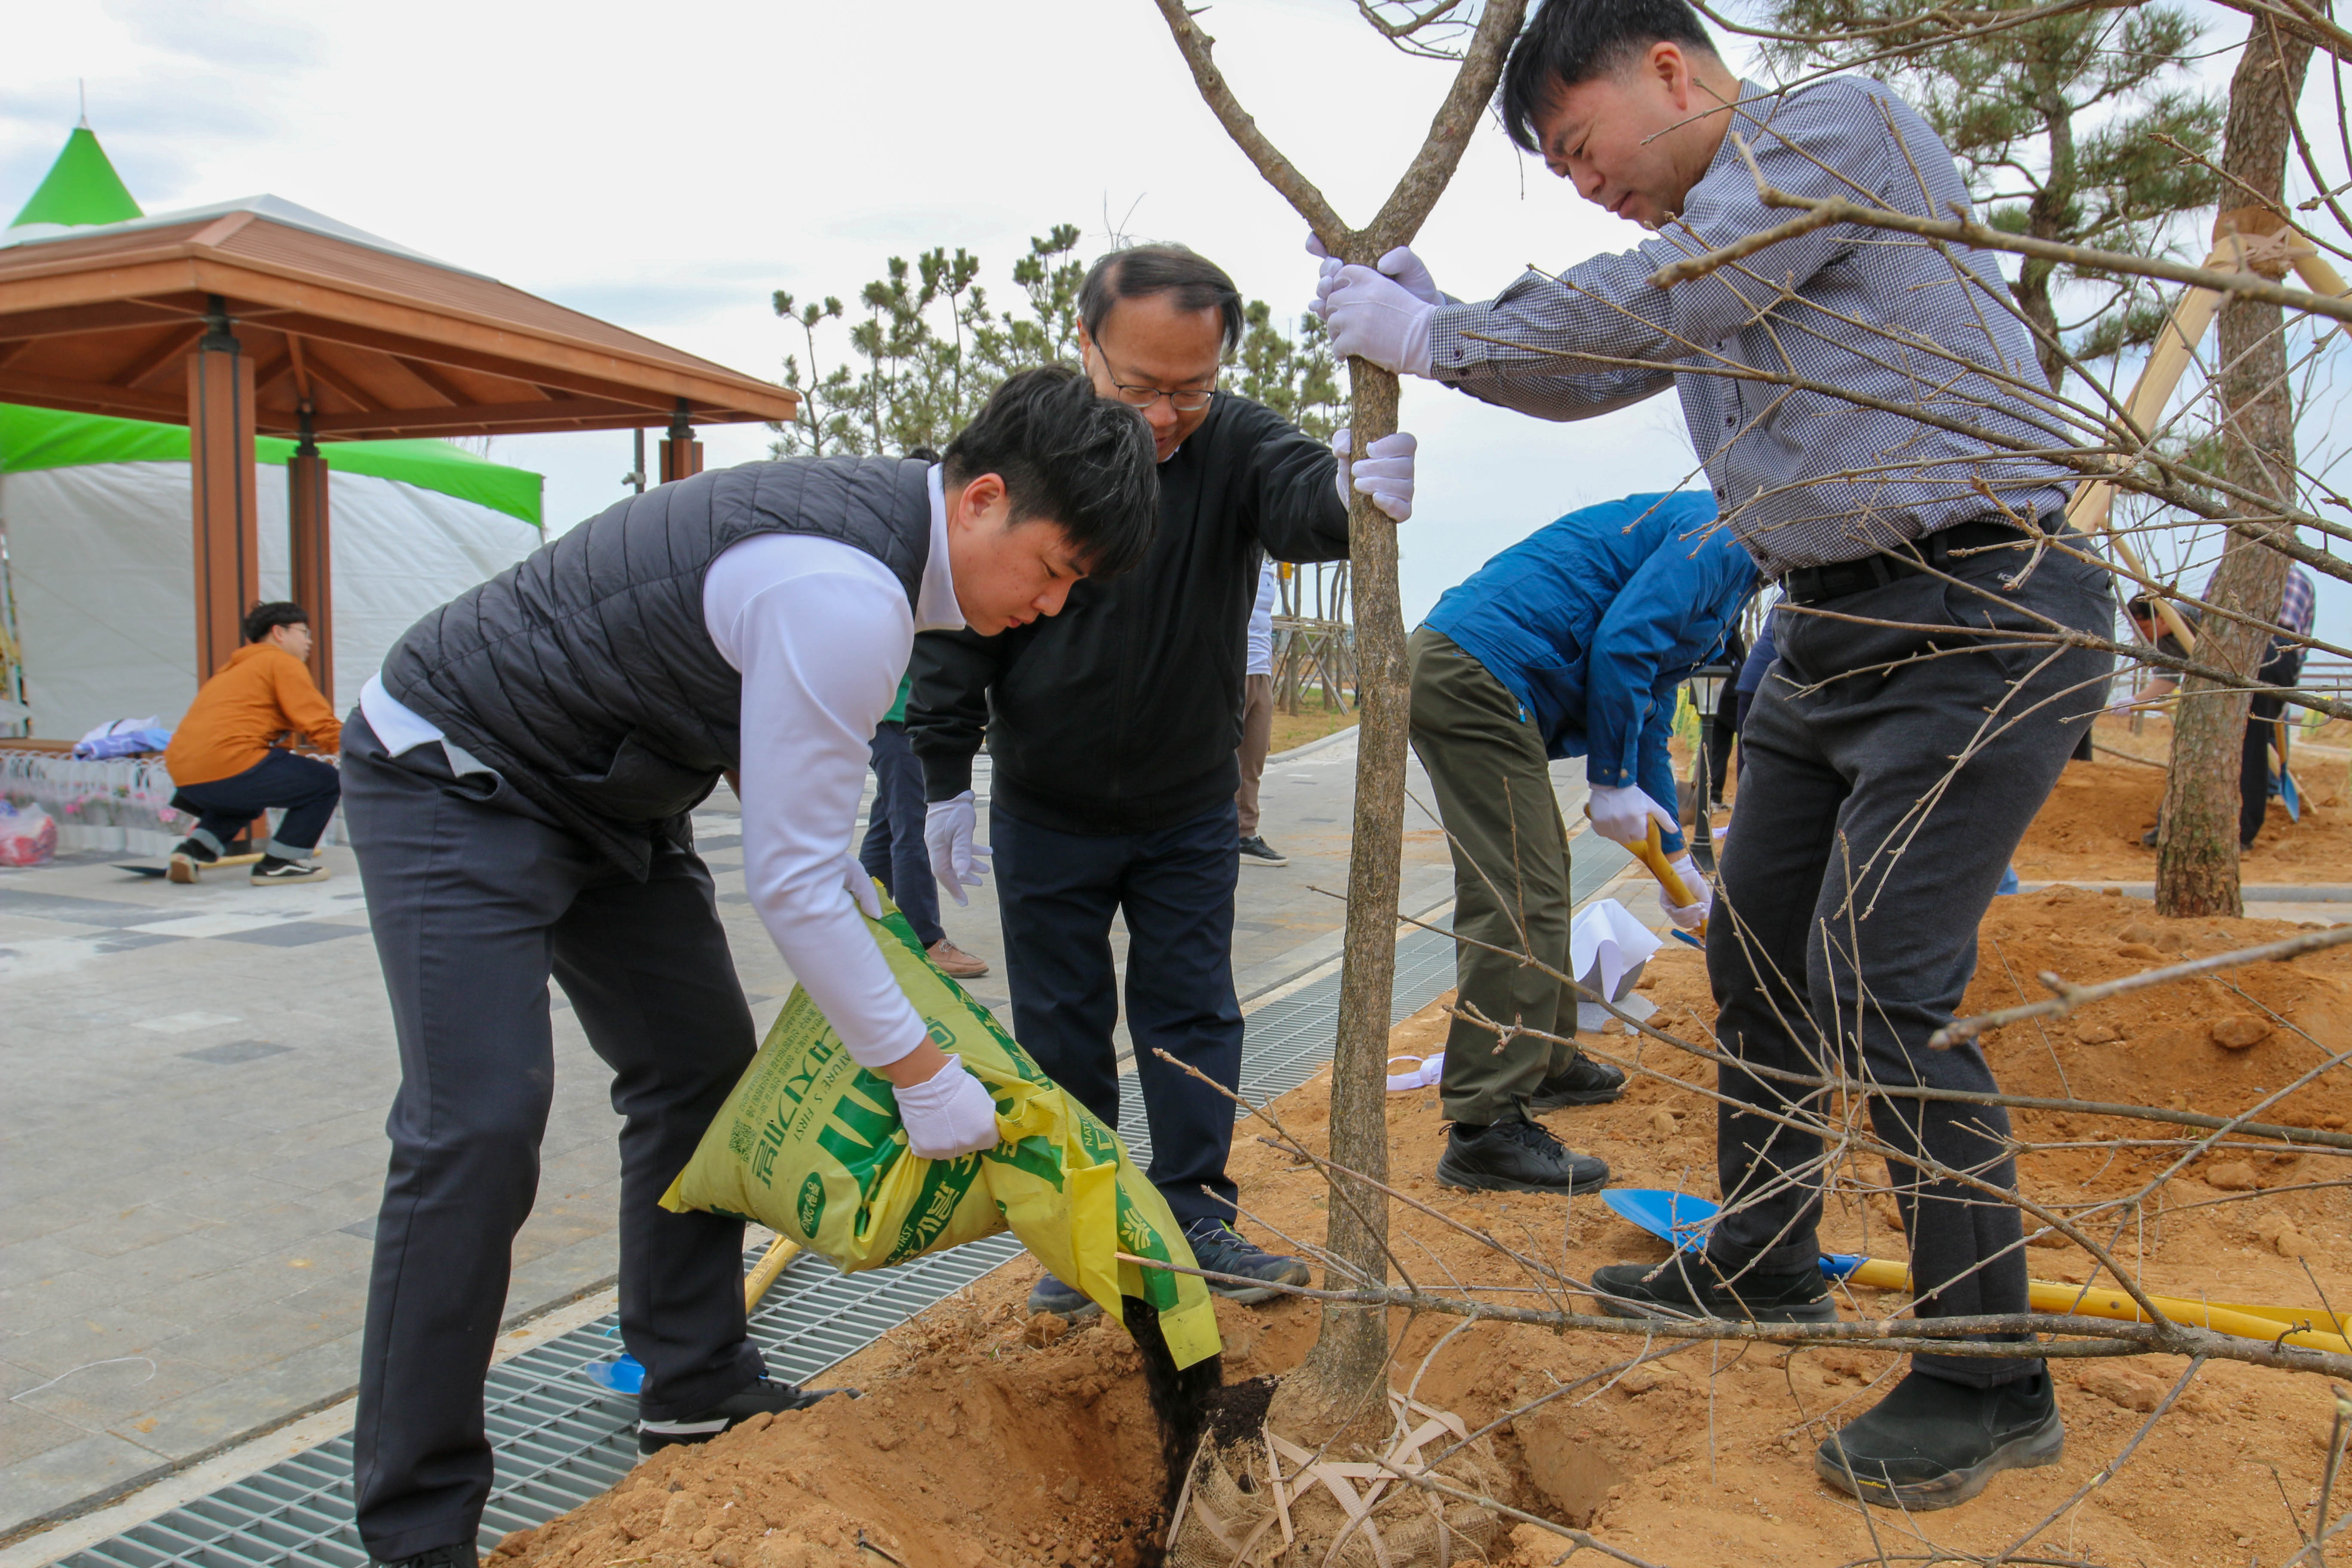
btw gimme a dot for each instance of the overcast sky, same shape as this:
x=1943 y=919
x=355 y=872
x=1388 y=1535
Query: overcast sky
x=668 y=168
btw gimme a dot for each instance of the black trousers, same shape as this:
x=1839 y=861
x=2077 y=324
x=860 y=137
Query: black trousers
x=2263 y=713
x=475 y=901
x=1055 y=894
x=307 y=788
x=892 y=852
x=1864 y=859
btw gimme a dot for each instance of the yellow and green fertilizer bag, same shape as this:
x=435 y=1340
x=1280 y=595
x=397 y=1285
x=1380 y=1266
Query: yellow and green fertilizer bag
x=809 y=1144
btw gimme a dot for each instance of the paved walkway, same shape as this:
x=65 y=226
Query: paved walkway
x=193 y=1147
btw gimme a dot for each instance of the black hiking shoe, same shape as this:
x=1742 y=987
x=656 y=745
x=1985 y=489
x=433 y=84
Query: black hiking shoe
x=1689 y=1286
x=1583 y=1082
x=1932 y=1444
x=1256 y=851
x=1221 y=1250
x=188 y=857
x=273 y=870
x=770 y=1395
x=1516 y=1155
x=1065 y=1301
x=438 y=1557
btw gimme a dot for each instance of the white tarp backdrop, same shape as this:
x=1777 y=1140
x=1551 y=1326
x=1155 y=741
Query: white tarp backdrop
x=103 y=573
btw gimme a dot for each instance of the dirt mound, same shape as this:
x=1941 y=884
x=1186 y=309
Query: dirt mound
x=2091 y=829
x=985 y=1439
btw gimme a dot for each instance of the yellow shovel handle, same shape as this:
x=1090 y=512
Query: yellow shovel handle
x=780 y=1251
x=2045 y=1296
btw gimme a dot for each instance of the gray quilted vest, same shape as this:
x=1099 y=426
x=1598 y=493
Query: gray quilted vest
x=583 y=674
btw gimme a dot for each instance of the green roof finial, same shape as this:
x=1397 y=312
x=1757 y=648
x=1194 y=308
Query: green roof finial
x=82 y=188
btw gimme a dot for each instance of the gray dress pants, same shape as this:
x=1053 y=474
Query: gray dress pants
x=476 y=900
x=1888 y=773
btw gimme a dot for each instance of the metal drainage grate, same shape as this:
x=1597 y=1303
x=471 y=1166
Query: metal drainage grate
x=560 y=1440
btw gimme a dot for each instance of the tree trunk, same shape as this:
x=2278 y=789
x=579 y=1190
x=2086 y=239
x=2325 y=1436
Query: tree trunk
x=2197 y=851
x=1343 y=1379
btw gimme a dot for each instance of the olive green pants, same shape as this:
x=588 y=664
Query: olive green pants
x=1510 y=873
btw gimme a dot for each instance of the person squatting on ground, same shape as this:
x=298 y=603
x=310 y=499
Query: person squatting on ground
x=1910 y=526
x=893 y=853
x=1572 y=642
x=521 y=778
x=2282 y=666
x=226 y=765
x=1111 y=735
x=1257 y=719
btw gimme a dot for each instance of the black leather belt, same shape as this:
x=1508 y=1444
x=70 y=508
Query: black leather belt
x=1817 y=585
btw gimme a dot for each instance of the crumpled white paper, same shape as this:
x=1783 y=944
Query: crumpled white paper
x=1607 y=948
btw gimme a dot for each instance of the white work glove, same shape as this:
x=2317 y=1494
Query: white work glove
x=1372 y=316
x=949 y=1114
x=1385 y=474
x=956 y=860
x=1401 y=264
x=861 y=890
x=1690 y=916
x=1622 y=814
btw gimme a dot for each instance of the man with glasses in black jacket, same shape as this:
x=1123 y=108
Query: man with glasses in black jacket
x=1112 y=731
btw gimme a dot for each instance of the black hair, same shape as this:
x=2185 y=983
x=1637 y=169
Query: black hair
x=260 y=620
x=1070 y=458
x=1573 y=41
x=1141 y=270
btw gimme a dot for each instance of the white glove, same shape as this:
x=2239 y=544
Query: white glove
x=1401 y=264
x=1622 y=814
x=947 y=1114
x=1385 y=474
x=861 y=890
x=1372 y=316
x=1690 y=916
x=956 y=860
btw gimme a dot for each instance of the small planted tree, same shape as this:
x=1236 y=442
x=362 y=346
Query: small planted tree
x=1342 y=1383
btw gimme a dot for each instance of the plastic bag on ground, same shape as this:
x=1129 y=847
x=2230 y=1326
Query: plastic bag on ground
x=809 y=1144
x=28 y=836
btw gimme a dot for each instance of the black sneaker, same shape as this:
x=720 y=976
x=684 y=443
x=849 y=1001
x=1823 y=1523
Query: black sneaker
x=770 y=1395
x=273 y=870
x=1516 y=1155
x=1221 y=1250
x=1258 y=852
x=1931 y=1444
x=438 y=1557
x=1582 y=1082
x=188 y=857
x=1689 y=1286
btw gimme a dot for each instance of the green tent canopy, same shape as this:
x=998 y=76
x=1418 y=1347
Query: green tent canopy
x=36 y=438
x=82 y=188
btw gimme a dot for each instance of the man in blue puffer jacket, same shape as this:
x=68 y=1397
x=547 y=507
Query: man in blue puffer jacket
x=1571 y=643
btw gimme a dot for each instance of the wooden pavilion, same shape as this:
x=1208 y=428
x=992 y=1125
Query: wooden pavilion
x=259 y=316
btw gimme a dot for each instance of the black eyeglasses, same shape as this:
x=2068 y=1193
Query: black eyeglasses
x=1145 y=396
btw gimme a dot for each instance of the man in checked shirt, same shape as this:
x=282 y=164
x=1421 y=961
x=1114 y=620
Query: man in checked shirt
x=1892 y=760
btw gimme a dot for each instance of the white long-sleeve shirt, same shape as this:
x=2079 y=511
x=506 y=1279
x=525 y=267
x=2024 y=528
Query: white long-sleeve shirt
x=820 y=632
x=1260 y=621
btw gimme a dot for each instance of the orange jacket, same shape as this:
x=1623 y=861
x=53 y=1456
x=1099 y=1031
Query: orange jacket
x=262 y=692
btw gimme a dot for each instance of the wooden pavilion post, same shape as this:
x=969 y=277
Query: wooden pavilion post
x=308 y=518
x=220 y=447
x=681 y=455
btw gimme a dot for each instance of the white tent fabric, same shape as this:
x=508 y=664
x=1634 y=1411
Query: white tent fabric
x=102 y=570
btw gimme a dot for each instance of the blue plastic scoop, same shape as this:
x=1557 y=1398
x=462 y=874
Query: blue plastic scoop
x=1683 y=1221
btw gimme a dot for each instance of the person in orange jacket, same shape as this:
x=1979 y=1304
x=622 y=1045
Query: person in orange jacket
x=227 y=768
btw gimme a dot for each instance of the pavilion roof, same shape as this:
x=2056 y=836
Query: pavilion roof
x=381 y=341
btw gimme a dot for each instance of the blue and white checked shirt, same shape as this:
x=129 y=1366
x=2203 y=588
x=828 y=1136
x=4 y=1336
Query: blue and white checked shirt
x=1803 y=478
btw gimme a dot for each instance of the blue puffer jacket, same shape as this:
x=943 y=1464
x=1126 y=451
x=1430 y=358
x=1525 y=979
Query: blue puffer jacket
x=1593 y=622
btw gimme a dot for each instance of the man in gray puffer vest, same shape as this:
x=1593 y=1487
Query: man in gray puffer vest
x=517 y=781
